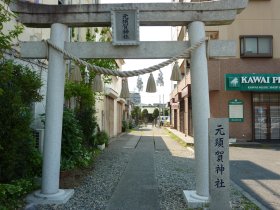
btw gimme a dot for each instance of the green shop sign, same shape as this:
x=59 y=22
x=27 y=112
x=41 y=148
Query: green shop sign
x=235 y=110
x=252 y=82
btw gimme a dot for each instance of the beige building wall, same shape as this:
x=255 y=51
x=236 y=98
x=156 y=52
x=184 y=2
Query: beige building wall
x=261 y=17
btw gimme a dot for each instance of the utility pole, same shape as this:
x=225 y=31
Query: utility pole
x=162 y=104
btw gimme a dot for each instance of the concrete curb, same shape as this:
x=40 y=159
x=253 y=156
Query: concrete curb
x=248 y=196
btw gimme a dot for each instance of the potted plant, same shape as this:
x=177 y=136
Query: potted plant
x=124 y=126
x=102 y=139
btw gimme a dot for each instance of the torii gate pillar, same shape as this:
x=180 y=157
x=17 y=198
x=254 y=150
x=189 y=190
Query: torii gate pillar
x=201 y=113
x=50 y=192
x=154 y=14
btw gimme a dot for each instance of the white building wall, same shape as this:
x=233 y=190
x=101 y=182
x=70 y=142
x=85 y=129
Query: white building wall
x=100 y=113
x=115 y=118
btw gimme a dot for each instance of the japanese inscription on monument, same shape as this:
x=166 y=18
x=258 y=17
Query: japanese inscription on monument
x=125 y=26
x=219 y=163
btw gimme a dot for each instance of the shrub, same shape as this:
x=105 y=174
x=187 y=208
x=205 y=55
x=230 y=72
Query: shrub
x=130 y=125
x=72 y=137
x=101 y=138
x=18 y=156
x=88 y=123
x=12 y=194
x=124 y=126
x=84 y=110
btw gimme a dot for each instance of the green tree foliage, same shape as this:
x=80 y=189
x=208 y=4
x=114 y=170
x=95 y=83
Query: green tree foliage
x=83 y=93
x=7 y=36
x=155 y=113
x=145 y=115
x=73 y=152
x=104 y=36
x=86 y=117
x=85 y=108
x=19 y=160
x=12 y=194
x=125 y=125
x=84 y=111
x=166 y=112
x=72 y=138
x=136 y=114
x=18 y=156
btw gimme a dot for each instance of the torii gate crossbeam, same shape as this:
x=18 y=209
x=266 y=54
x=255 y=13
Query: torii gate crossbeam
x=151 y=14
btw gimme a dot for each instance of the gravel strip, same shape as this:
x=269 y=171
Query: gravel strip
x=174 y=172
x=98 y=187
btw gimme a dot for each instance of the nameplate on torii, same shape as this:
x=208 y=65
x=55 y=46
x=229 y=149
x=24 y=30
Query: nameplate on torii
x=125 y=26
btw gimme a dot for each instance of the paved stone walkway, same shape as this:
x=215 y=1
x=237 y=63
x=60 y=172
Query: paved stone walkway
x=138 y=186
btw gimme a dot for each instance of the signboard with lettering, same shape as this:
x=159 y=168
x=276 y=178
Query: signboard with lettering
x=125 y=26
x=175 y=106
x=219 y=185
x=235 y=110
x=252 y=82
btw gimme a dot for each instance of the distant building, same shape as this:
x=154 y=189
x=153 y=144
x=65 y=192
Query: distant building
x=135 y=98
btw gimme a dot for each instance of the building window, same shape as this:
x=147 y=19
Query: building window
x=256 y=46
x=212 y=34
x=266 y=115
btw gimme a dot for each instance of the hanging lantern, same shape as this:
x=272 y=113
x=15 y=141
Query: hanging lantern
x=160 y=81
x=176 y=73
x=86 y=75
x=75 y=74
x=151 y=85
x=139 y=84
x=125 y=91
x=97 y=84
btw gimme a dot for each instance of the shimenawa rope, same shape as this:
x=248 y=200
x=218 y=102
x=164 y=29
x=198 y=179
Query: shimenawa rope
x=131 y=73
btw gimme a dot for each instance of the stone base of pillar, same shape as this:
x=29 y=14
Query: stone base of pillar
x=62 y=196
x=194 y=200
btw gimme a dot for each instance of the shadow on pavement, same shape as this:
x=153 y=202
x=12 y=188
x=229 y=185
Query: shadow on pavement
x=269 y=146
x=246 y=173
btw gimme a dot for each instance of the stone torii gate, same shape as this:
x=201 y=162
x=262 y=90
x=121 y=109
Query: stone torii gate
x=59 y=17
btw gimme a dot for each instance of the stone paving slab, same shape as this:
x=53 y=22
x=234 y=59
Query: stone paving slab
x=138 y=186
x=132 y=142
x=160 y=144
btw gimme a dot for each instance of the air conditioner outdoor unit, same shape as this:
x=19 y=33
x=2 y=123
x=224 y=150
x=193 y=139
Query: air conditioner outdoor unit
x=39 y=139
